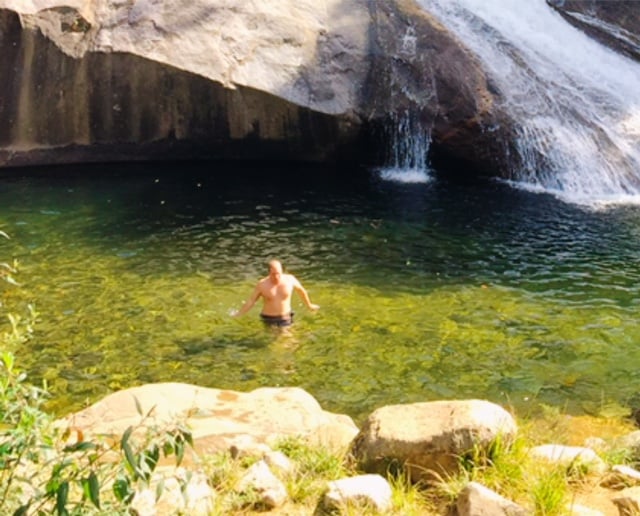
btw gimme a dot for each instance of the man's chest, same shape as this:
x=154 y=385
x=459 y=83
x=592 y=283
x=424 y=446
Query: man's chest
x=280 y=291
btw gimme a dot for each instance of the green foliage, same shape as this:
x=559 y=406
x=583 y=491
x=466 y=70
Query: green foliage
x=41 y=471
x=44 y=471
x=507 y=468
x=409 y=499
x=620 y=455
x=312 y=459
x=548 y=492
x=314 y=467
x=501 y=465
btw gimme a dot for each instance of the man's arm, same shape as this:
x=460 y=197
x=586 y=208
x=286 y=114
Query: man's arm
x=304 y=295
x=248 y=305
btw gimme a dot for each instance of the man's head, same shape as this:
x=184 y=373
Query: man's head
x=275 y=270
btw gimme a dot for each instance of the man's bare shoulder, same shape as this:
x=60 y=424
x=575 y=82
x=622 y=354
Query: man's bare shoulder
x=291 y=279
x=263 y=282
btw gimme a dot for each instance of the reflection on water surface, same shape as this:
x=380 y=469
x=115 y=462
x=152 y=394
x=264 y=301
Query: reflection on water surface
x=428 y=291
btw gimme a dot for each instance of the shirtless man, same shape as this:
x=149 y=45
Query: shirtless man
x=276 y=290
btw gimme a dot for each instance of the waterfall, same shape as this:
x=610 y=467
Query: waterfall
x=408 y=150
x=576 y=103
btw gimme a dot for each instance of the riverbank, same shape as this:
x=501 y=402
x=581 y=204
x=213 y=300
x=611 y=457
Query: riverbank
x=250 y=446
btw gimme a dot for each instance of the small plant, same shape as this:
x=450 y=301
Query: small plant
x=312 y=459
x=620 y=455
x=25 y=431
x=314 y=467
x=446 y=488
x=409 y=498
x=548 y=492
x=41 y=470
x=503 y=467
x=222 y=470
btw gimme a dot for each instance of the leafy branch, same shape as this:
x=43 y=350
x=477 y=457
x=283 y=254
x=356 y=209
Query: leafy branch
x=47 y=469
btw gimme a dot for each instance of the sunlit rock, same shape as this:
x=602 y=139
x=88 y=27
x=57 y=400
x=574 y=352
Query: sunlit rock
x=570 y=456
x=259 y=480
x=218 y=418
x=278 y=461
x=310 y=80
x=182 y=492
x=428 y=439
x=245 y=445
x=478 y=500
x=371 y=490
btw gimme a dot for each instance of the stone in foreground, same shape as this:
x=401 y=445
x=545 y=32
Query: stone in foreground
x=372 y=490
x=428 y=439
x=218 y=418
x=478 y=500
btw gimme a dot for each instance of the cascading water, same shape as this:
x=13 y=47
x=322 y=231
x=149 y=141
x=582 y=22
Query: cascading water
x=576 y=103
x=409 y=145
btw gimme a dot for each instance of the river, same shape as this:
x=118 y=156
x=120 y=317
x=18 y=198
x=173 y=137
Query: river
x=428 y=290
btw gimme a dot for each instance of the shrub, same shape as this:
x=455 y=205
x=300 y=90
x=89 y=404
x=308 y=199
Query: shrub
x=45 y=468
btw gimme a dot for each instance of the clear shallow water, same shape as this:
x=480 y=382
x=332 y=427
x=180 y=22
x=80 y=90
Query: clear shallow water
x=428 y=290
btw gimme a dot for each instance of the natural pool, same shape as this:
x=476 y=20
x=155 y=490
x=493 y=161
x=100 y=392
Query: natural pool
x=427 y=291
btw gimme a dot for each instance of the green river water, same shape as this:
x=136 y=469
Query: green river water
x=427 y=291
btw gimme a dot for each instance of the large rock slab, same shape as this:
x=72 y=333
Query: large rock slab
x=309 y=52
x=217 y=417
x=287 y=79
x=429 y=438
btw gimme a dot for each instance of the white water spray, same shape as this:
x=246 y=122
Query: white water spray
x=576 y=102
x=409 y=147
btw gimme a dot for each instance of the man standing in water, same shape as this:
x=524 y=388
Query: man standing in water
x=276 y=290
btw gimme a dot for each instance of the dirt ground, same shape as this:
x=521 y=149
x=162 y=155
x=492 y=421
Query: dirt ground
x=577 y=430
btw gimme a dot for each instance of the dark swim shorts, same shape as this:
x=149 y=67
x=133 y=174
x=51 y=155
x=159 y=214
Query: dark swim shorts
x=279 y=321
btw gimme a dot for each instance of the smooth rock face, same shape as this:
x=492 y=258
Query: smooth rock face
x=429 y=438
x=217 y=417
x=292 y=80
x=121 y=106
x=294 y=49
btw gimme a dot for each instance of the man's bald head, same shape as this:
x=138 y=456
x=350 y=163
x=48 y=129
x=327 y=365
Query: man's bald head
x=275 y=266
